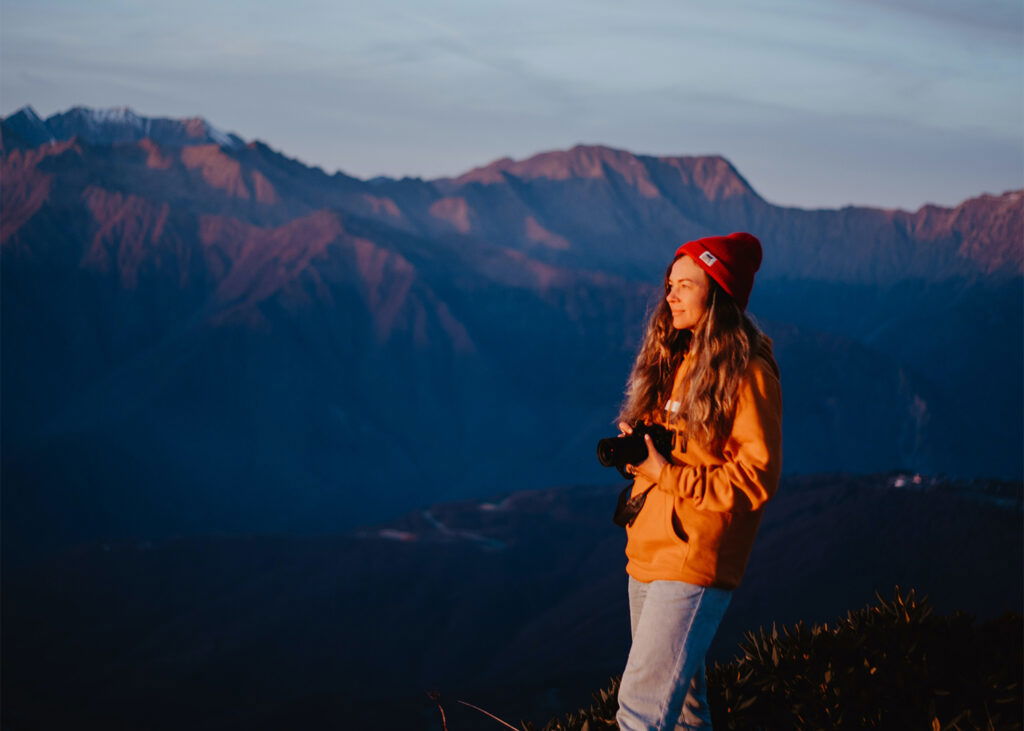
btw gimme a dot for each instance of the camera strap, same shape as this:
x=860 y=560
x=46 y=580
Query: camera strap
x=628 y=507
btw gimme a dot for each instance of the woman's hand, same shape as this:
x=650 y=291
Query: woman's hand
x=650 y=467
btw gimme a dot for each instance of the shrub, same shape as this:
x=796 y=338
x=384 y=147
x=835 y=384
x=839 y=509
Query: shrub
x=894 y=665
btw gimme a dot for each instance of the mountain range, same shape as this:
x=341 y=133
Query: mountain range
x=202 y=335
x=515 y=603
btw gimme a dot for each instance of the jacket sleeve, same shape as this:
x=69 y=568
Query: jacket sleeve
x=753 y=453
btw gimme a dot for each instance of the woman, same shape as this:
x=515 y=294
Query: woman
x=707 y=373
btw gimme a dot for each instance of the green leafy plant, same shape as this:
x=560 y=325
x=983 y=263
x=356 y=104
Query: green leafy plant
x=893 y=665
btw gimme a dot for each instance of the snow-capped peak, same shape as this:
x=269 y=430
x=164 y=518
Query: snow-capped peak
x=118 y=124
x=120 y=115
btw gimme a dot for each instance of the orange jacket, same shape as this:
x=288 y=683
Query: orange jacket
x=698 y=524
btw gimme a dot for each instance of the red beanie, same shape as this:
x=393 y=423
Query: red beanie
x=729 y=260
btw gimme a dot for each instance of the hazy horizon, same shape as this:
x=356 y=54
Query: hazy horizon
x=856 y=102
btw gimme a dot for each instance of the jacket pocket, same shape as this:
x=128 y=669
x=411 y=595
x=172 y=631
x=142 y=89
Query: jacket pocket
x=708 y=530
x=650 y=539
x=675 y=527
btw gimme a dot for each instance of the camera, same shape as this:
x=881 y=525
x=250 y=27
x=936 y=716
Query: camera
x=629 y=449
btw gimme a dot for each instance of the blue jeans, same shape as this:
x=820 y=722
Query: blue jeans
x=664 y=686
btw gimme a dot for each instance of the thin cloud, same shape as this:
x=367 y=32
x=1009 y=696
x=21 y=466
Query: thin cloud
x=777 y=86
x=1003 y=19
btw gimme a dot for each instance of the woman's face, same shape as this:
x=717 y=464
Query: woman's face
x=687 y=296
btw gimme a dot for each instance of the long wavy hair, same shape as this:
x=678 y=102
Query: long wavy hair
x=720 y=347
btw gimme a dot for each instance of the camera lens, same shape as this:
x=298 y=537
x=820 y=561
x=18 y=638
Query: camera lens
x=620 y=451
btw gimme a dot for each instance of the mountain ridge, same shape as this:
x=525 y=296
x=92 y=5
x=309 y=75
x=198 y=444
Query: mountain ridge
x=307 y=335
x=479 y=599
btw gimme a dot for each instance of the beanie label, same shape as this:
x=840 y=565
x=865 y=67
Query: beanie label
x=708 y=258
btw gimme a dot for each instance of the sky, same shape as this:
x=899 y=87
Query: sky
x=817 y=103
